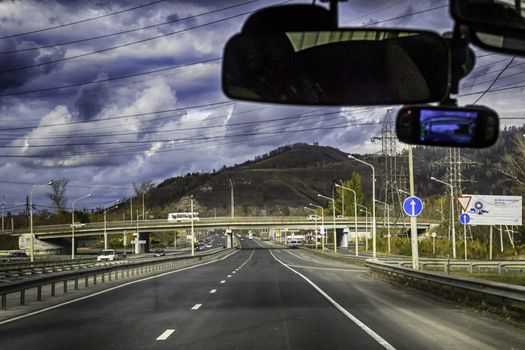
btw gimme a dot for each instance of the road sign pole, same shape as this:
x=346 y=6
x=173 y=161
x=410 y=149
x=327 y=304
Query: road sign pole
x=490 y=241
x=465 y=238
x=413 y=219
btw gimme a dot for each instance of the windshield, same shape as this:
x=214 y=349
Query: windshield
x=283 y=227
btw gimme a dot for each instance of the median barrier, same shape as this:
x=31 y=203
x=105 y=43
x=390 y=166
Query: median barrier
x=95 y=275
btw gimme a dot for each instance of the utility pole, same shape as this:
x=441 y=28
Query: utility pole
x=231 y=200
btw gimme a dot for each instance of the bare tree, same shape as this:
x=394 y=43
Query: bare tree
x=512 y=165
x=143 y=187
x=58 y=193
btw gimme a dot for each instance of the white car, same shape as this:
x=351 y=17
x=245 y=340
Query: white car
x=314 y=217
x=107 y=255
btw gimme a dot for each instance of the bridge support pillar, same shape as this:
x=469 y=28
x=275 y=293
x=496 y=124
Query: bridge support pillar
x=344 y=238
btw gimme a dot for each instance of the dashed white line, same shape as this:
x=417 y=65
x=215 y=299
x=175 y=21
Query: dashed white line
x=229 y=276
x=213 y=291
x=223 y=281
x=196 y=306
x=234 y=272
x=166 y=334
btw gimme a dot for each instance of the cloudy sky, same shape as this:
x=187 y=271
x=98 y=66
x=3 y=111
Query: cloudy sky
x=106 y=93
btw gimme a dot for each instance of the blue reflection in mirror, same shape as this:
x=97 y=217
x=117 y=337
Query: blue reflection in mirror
x=447 y=126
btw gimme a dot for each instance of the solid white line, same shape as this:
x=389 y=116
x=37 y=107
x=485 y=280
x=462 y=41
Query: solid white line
x=223 y=281
x=213 y=291
x=108 y=290
x=323 y=268
x=196 y=306
x=354 y=319
x=166 y=334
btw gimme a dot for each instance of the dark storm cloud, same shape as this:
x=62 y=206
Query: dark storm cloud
x=89 y=105
x=11 y=80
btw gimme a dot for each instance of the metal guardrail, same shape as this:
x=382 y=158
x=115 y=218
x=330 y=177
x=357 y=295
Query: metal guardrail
x=130 y=268
x=510 y=298
x=20 y=265
x=469 y=265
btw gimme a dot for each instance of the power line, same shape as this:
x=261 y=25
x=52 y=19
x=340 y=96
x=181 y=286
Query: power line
x=406 y=15
x=118 y=117
x=154 y=71
x=503 y=70
x=130 y=43
x=82 y=20
x=127 y=31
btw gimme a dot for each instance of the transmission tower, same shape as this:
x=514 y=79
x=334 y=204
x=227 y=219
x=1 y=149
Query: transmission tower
x=393 y=174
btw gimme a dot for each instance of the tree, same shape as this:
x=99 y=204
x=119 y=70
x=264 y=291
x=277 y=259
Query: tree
x=58 y=193
x=512 y=165
x=143 y=187
x=355 y=184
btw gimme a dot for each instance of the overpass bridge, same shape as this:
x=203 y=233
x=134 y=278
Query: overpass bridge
x=235 y=224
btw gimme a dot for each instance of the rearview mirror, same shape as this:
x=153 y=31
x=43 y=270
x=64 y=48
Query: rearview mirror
x=496 y=25
x=337 y=67
x=474 y=126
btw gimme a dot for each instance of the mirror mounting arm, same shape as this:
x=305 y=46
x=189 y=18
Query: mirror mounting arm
x=334 y=9
x=462 y=61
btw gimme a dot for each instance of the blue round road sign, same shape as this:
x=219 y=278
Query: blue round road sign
x=413 y=206
x=464 y=218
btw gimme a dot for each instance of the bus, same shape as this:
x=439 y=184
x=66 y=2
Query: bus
x=179 y=217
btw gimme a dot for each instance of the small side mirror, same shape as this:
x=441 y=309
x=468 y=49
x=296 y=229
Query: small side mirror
x=492 y=24
x=473 y=126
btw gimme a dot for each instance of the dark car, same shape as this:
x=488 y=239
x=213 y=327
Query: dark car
x=15 y=256
x=159 y=252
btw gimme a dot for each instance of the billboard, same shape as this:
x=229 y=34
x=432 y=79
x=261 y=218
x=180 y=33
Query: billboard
x=492 y=210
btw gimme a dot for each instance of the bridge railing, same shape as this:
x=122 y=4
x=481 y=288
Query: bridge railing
x=52 y=283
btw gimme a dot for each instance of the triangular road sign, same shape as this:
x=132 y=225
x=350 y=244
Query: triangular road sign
x=464 y=201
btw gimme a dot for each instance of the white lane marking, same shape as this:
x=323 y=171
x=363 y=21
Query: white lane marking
x=260 y=245
x=234 y=272
x=229 y=276
x=213 y=291
x=166 y=334
x=196 y=306
x=223 y=281
x=354 y=319
x=109 y=290
x=324 y=268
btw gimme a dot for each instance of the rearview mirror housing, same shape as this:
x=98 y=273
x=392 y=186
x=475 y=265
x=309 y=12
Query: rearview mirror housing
x=296 y=54
x=492 y=25
x=473 y=126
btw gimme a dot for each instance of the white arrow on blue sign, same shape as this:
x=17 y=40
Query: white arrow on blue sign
x=464 y=218
x=413 y=206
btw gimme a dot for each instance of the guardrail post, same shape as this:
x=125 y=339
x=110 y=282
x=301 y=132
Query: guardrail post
x=39 y=293
x=65 y=286
x=470 y=268
x=86 y=281
x=499 y=268
x=22 y=297
x=103 y=277
x=95 y=279
x=76 y=283
x=53 y=289
x=4 y=301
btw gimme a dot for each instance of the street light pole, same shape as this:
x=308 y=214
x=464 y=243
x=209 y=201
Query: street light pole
x=73 y=225
x=333 y=207
x=355 y=217
x=112 y=205
x=32 y=248
x=451 y=213
x=231 y=200
x=322 y=224
x=137 y=232
x=192 y=238
x=374 y=246
x=388 y=221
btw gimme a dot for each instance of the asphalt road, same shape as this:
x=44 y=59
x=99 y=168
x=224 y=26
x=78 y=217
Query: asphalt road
x=260 y=299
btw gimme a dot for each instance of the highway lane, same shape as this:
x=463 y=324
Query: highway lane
x=251 y=301
x=406 y=319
